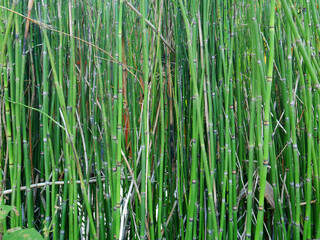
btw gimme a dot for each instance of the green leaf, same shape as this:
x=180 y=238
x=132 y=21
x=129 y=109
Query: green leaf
x=4 y=210
x=22 y=234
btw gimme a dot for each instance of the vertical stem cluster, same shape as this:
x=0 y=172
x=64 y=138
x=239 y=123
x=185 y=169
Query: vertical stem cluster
x=160 y=119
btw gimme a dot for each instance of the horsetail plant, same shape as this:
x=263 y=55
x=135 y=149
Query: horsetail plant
x=159 y=119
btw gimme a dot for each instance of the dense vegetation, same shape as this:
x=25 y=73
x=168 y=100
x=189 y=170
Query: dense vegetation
x=153 y=119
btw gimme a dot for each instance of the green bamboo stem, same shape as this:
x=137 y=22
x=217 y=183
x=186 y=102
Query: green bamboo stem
x=266 y=130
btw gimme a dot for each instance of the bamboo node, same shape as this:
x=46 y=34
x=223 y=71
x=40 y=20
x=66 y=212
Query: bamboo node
x=260 y=208
x=265 y=162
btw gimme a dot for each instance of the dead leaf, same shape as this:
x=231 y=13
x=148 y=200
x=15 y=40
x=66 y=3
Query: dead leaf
x=268 y=194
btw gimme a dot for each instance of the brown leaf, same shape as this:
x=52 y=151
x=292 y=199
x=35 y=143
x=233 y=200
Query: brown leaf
x=269 y=195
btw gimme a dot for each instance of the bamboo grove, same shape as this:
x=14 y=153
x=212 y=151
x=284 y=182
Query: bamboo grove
x=160 y=119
